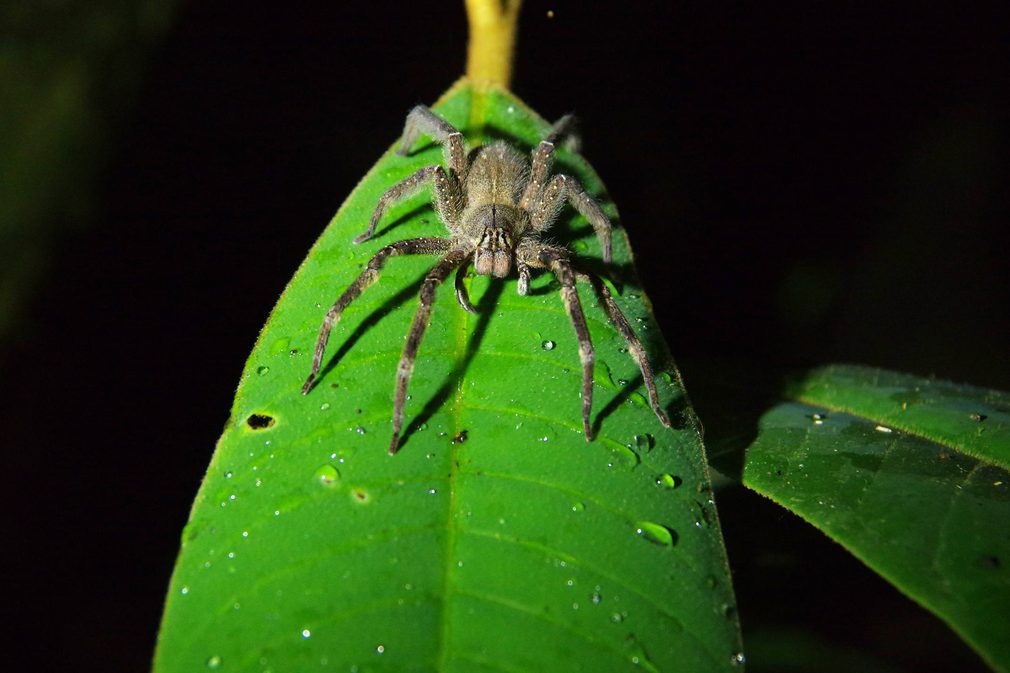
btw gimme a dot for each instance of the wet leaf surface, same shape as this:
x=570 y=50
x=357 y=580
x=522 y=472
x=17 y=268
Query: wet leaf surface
x=497 y=539
x=907 y=473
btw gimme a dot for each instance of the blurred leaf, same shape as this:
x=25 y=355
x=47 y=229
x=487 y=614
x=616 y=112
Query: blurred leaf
x=497 y=539
x=68 y=71
x=906 y=473
x=786 y=650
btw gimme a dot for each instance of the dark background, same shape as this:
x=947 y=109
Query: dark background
x=802 y=182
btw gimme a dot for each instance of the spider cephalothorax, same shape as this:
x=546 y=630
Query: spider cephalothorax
x=496 y=206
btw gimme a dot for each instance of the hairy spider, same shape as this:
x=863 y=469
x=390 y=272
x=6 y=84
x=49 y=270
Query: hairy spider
x=496 y=207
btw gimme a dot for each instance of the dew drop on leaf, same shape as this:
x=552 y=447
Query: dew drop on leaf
x=214 y=662
x=668 y=481
x=327 y=475
x=547 y=345
x=656 y=534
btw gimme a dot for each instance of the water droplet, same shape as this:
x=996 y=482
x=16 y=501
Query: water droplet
x=656 y=534
x=578 y=507
x=668 y=481
x=184 y=590
x=227 y=475
x=548 y=345
x=245 y=533
x=306 y=633
x=380 y=649
x=646 y=441
x=293 y=352
x=595 y=597
x=883 y=428
x=624 y=457
x=360 y=430
x=327 y=475
x=738 y=659
x=977 y=417
x=279 y=346
x=622 y=382
x=324 y=406
x=617 y=617
x=262 y=371
x=214 y=662
x=432 y=491
x=818 y=419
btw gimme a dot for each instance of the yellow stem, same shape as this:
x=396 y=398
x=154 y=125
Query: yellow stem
x=492 y=40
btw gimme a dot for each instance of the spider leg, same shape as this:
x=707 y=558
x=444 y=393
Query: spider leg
x=560 y=188
x=406 y=367
x=542 y=158
x=462 y=296
x=413 y=246
x=446 y=192
x=422 y=120
x=556 y=260
x=634 y=345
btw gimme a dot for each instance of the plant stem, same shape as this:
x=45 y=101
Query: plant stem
x=492 y=40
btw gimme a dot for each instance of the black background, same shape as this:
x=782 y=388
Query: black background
x=802 y=182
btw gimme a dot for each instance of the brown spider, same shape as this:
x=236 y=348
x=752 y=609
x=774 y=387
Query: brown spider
x=496 y=207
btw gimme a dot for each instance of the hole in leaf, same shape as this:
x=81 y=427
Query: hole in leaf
x=259 y=421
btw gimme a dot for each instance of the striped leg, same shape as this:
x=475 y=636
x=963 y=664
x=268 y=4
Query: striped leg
x=541 y=160
x=413 y=246
x=422 y=120
x=434 y=278
x=558 y=263
x=634 y=345
x=560 y=188
x=446 y=194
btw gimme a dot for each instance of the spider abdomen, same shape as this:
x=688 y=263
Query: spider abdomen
x=497 y=175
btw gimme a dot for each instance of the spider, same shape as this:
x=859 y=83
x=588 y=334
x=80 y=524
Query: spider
x=496 y=206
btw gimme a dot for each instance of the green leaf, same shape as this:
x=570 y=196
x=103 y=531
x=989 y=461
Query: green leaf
x=908 y=474
x=497 y=539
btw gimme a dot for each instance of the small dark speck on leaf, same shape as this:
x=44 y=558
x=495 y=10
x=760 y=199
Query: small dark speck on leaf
x=334 y=385
x=991 y=562
x=460 y=437
x=259 y=421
